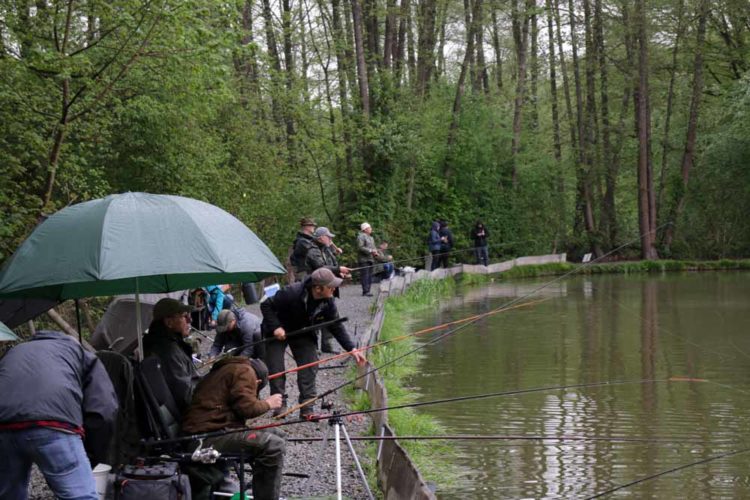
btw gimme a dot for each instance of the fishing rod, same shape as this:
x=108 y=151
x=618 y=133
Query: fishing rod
x=668 y=471
x=319 y=417
x=402 y=337
x=301 y=331
x=501 y=437
x=451 y=332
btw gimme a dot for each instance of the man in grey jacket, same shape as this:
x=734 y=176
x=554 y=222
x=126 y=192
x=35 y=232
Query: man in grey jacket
x=54 y=394
x=366 y=253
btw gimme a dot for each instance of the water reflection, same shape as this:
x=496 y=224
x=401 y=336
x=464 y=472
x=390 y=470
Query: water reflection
x=594 y=329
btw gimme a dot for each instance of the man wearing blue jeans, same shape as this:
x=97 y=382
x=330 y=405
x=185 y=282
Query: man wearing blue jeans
x=52 y=390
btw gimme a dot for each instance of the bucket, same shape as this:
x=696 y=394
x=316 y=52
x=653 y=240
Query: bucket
x=101 y=477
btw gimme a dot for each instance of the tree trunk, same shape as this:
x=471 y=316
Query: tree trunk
x=521 y=37
x=534 y=97
x=411 y=58
x=670 y=99
x=688 y=154
x=468 y=12
x=646 y=219
x=498 y=51
x=481 y=64
x=456 y=114
x=560 y=180
x=390 y=33
x=566 y=83
x=401 y=44
x=364 y=89
x=608 y=226
x=440 y=52
x=286 y=23
x=590 y=139
x=273 y=53
x=426 y=45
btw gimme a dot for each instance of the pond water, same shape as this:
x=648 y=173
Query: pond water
x=639 y=330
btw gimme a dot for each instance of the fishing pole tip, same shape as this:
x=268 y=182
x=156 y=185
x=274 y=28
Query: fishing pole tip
x=686 y=379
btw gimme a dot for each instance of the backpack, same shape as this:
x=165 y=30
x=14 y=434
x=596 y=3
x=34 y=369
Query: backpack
x=160 y=481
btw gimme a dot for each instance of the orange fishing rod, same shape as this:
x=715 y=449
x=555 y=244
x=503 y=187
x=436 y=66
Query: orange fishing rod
x=403 y=337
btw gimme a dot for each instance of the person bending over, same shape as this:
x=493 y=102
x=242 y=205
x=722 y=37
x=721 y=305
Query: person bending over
x=294 y=307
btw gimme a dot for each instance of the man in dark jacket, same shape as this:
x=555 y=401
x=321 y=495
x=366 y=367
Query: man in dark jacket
x=323 y=254
x=165 y=339
x=54 y=394
x=224 y=399
x=446 y=244
x=302 y=244
x=479 y=235
x=236 y=330
x=297 y=306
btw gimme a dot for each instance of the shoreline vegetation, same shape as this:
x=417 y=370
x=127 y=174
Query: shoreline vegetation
x=432 y=458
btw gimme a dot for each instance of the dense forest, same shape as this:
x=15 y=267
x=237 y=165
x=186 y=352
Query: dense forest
x=565 y=125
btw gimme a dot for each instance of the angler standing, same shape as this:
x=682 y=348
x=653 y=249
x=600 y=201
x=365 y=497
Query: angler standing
x=366 y=253
x=54 y=394
x=302 y=244
x=294 y=307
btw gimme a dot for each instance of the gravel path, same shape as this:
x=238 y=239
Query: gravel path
x=309 y=458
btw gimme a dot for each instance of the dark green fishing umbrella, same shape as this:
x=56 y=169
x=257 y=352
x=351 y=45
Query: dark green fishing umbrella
x=135 y=243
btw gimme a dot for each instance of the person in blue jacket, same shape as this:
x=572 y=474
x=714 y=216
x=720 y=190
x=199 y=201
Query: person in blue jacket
x=58 y=403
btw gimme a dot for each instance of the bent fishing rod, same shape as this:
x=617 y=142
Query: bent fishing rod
x=452 y=332
x=307 y=329
x=474 y=397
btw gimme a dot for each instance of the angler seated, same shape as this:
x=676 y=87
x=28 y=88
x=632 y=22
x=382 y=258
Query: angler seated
x=223 y=400
x=236 y=332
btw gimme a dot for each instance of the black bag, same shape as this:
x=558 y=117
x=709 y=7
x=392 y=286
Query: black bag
x=161 y=481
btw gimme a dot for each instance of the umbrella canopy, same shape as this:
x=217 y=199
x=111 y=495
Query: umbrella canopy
x=135 y=243
x=6 y=334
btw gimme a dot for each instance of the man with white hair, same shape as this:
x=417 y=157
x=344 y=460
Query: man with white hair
x=366 y=252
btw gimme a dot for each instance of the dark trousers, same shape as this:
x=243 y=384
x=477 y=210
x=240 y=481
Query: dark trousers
x=435 y=260
x=482 y=254
x=304 y=351
x=366 y=276
x=265 y=449
x=444 y=259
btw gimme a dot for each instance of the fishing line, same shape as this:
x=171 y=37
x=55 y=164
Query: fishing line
x=402 y=337
x=499 y=437
x=668 y=471
x=320 y=417
x=510 y=305
x=449 y=333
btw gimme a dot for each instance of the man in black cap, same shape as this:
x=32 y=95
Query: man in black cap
x=323 y=254
x=294 y=307
x=166 y=340
x=236 y=331
x=302 y=244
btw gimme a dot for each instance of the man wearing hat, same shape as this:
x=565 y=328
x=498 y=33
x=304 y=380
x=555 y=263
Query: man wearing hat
x=323 y=254
x=236 y=331
x=302 y=244
x=166 y=336
x=366 y=253
x=226 y=397
x=294 y=307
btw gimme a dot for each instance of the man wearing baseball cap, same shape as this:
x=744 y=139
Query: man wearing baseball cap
x=166 y=340
x=302 y=244
x=294 y=307
x=236 y=332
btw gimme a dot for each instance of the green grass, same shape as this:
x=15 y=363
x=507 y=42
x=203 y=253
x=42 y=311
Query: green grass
x=432 y=458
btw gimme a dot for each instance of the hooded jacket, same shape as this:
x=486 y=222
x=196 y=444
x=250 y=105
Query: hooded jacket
x=225 y=398
x=293 y=307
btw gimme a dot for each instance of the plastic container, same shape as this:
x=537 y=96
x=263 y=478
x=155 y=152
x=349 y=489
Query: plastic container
x=102 y=479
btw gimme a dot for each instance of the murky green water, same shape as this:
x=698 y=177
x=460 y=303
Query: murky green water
x=642 y=330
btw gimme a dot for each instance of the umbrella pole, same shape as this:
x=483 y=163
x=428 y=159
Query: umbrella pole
x=138 y=326
x=78 y=322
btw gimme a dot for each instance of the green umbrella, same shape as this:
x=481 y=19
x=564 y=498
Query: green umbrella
x=135 y=243
x=6 y=334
